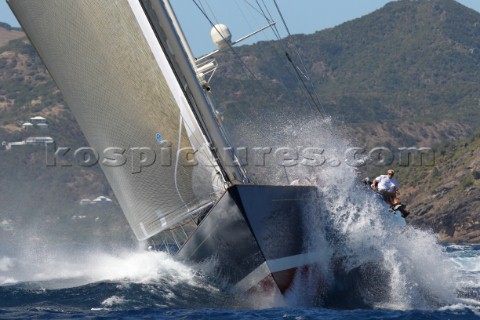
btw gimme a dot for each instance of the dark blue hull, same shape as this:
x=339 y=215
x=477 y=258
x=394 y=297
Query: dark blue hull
x=255 y=234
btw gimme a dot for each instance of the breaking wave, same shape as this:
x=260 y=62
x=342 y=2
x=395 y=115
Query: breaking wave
x=368 y=256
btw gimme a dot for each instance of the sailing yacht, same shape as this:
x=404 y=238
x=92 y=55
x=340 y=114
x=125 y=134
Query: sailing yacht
x=143 y=103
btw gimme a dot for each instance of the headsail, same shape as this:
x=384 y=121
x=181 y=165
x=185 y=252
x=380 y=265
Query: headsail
x=119 y=84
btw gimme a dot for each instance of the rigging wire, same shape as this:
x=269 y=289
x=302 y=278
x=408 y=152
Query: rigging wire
x=311 y=92
x=251 y=7
x=255 y=9
x=281 y=17
x=243 y=15
x=300 y=74
x=276 y=32
x=213 y=13
x=269 y=20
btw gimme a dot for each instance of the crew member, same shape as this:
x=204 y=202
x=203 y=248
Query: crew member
x=387 y=187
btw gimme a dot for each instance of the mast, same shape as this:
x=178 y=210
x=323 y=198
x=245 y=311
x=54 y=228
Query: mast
x=171 y=36
x=178 y=28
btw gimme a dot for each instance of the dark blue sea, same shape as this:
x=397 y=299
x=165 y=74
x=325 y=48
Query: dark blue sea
x=152 y=285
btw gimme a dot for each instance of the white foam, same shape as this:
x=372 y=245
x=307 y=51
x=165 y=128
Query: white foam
x=7 y=281
x=471 y=305
x=114 y=300
x=6 y=265
x=470 y=264
x=139 y=267
x=58 y=268
x=369 y=232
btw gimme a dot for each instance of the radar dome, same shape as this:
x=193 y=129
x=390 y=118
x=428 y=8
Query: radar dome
x=221 y=36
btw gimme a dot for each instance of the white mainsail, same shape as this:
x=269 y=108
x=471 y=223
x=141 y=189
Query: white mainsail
x=120 y=86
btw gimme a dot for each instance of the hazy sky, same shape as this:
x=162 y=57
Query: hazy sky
x=302 y=16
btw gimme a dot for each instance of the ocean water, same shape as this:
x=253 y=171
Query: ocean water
x=153 y=285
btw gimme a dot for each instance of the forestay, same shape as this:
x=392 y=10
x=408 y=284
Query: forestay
x=118 y=82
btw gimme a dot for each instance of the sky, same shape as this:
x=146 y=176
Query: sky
x=301 y=16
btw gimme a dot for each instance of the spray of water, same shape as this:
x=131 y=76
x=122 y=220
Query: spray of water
x=78 y=267
x=391 y=265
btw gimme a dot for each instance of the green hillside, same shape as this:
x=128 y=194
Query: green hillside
x=413 y=62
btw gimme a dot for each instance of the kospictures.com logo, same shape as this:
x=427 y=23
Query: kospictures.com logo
x=165 y=155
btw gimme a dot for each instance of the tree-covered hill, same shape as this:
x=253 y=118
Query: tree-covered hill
x=409 y=71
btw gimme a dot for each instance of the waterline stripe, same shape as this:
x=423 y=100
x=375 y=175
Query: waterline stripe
x=275 y=265
x=253 y=278
x=290 y=262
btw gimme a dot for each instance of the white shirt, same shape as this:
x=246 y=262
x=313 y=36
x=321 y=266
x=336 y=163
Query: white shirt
x=385 y=183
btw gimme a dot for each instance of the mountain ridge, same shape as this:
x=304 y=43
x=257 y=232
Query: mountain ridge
x=362 y=76
x=7 y=33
